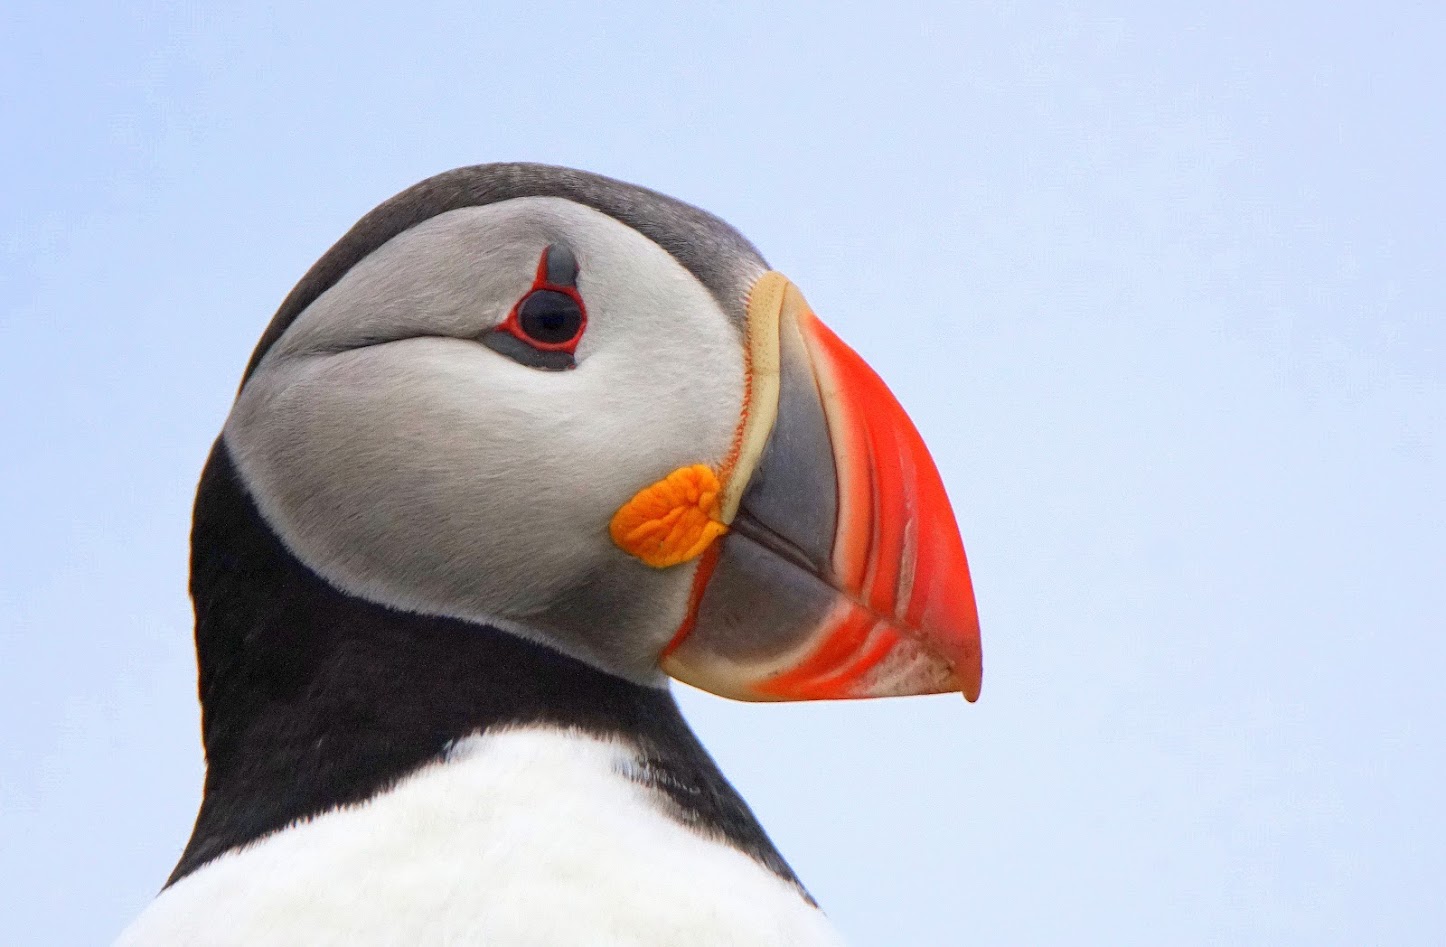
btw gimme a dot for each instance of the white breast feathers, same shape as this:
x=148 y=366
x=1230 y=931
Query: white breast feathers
x=521 y=838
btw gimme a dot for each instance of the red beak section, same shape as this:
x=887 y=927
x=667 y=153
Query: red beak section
x=864 y=596
x=908 y=624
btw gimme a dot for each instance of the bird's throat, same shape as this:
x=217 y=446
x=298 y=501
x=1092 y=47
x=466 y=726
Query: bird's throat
x=313 y=699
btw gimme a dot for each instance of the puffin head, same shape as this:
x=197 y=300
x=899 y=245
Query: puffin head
x=590 y=415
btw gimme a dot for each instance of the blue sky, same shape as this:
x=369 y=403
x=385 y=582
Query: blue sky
x=1165 y=291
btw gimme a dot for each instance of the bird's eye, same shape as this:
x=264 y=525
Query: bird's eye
x=549 y=318
x=543 y=329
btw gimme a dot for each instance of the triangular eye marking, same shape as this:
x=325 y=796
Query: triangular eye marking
x=544 y=327
x=558 y=267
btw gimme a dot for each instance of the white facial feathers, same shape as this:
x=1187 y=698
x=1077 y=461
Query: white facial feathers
x=410 y=465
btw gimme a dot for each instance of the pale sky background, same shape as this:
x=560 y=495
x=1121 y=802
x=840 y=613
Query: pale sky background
x=1165 y=290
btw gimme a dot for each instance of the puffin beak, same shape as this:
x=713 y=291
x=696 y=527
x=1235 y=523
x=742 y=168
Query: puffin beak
x=841 y=573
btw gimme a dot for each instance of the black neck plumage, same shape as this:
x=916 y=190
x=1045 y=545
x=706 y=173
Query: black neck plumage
x=313 y=699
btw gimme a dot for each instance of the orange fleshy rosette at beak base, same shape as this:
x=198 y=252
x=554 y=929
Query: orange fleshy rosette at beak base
x=672 y=521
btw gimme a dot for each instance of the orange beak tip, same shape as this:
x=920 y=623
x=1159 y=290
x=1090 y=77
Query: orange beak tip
x=973 y=677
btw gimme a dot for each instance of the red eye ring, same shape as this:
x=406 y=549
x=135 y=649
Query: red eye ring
x=552 y=309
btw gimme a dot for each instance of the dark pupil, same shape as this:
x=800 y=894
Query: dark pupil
x=549 y=317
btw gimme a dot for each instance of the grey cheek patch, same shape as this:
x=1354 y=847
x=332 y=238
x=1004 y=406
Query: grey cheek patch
x=505 y=343
x=412 y=474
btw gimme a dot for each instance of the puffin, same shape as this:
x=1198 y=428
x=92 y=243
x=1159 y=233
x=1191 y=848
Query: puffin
x=525 y=445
